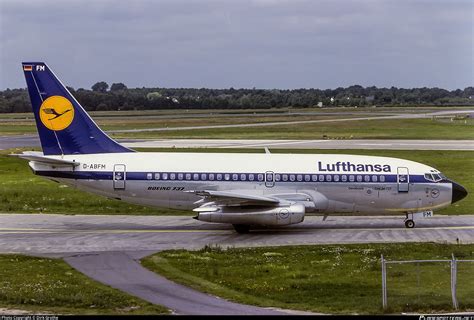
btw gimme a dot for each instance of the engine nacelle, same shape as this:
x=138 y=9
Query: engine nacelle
x=277 y=216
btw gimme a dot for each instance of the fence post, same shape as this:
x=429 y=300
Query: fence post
x=384 y=283
x=454 y=271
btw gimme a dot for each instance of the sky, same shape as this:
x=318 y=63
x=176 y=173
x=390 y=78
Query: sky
x=283 y=44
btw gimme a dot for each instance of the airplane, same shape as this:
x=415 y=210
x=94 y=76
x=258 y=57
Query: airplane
x=245 y=190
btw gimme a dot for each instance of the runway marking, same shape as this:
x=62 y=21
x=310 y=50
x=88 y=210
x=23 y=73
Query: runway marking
x=115 y=231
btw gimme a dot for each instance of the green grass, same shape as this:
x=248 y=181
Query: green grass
x=323 y=278
x=23 y=192
x=439 y=128
x=363 y=129
x=51 y=285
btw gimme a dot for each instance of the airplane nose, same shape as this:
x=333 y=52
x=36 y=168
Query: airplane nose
x=459 y=192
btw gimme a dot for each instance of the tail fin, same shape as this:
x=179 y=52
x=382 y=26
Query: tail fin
x=64 y=127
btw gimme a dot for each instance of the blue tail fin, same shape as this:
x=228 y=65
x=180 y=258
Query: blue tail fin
x=64 y=127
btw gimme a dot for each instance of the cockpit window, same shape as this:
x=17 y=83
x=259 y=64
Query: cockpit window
x=435 y=177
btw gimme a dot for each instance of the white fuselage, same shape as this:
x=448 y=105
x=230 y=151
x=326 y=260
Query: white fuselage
x=329 y=183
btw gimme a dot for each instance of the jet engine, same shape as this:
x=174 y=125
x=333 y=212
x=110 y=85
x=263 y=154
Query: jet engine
x=254 y=215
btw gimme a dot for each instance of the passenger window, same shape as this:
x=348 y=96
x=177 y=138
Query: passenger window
x=321 y=177
x=180 y=176
x=260 y=177
x=243 y=177
x=359 y=178
x=165 y=176
x=226 y=177
x=219 y=176
x=235 y=177
x=382 y=178
x=307 y=177
x=292 y=177
x=351 y=178
x=211 y=176
x=336 y=178
x=203 y=176
x=157 y=176
x=172 y=176
x=196 y=176
x=367 y=178
x=344 y=178
x=374 y=178
x=328 y=177
x=251 y=177
x=314 y=177
x=149 y=176
x=299 y=177
x=285 y=177
x=269 y=177
x=277 y=177
x=188 y=176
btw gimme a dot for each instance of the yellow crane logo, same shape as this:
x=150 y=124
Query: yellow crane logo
x=56 y=113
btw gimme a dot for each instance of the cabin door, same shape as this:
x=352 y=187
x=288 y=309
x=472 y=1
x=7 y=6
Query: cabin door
x=119 y=176
x=403 y=179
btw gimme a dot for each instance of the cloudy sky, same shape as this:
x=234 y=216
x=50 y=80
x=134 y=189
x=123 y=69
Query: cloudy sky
x=241 y=43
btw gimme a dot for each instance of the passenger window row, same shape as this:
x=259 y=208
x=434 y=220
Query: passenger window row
x=277 y=177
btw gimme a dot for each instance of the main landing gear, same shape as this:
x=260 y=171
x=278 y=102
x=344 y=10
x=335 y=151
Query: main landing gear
x=241 y=228
x=409 y=223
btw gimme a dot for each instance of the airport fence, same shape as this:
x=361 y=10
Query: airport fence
x=424 y=283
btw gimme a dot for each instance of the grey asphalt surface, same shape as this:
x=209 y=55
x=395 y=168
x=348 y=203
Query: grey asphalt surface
x=120 y=270
x=107 y=248
x=306 y=144
x=8 y=142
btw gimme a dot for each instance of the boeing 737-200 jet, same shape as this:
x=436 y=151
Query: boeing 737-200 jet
x=240 y=189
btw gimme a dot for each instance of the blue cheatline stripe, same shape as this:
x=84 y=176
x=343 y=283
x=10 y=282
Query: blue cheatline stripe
x=160 y=176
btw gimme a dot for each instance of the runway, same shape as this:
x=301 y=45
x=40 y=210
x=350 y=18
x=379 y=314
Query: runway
x=107 y=248
x=306 y=144
x=8 y=142
x=65 y=234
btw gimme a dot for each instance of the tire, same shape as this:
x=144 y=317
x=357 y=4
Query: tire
x=242 y=228
x=409 y=223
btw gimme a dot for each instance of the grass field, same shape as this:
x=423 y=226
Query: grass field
x=324 y=278
x=23 y=192
x=439 y=128
x=51 y=285
x=363 y=129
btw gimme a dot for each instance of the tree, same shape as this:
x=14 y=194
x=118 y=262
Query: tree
x=100 y=87
x=118 y=86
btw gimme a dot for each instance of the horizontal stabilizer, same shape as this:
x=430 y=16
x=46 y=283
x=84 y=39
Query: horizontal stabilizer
x=40 y=157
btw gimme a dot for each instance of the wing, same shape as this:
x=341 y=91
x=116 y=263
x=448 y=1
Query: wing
x=234 y=198
x=213 y=200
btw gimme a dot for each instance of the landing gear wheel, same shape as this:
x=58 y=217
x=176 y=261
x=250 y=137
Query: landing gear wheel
x=241 y=228
x=409 y=223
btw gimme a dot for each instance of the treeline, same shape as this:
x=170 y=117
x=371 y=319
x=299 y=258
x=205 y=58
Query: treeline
x=119 y=97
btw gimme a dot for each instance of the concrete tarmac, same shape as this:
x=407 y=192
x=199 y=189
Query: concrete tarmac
x=306 y=144
x=107 y=248
x=8 y=142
